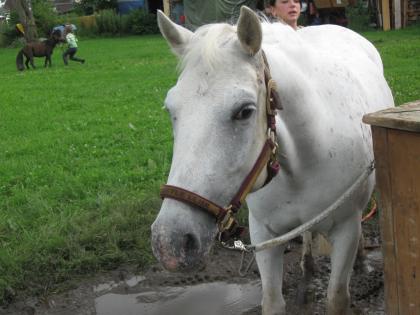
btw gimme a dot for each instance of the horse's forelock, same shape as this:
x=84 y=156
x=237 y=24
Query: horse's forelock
x=206 y=44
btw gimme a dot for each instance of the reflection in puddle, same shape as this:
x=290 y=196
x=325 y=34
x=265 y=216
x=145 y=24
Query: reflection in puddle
x=204 y=299
x=132 y=282
x=373 y=256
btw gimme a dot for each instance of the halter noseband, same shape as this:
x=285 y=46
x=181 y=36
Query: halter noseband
x=225 y=216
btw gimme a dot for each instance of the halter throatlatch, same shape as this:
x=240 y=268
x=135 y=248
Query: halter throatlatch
x=225 y=216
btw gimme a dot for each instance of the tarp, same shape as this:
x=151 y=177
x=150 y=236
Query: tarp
x=126 y=6
x=198 y=12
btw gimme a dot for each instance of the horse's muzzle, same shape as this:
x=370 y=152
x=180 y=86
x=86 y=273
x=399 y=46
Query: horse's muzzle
x=179 y=248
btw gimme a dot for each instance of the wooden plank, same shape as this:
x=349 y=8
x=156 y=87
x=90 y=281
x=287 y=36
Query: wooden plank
x=166 y=8
x=386 y=20
x=405 y=117
x=404 y=163
x=404 y=14
x=380 y=147
x=397 y=14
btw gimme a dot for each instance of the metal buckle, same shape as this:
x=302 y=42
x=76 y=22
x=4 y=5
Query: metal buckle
x=226 y=223
x=271 y=85
x=271 y=134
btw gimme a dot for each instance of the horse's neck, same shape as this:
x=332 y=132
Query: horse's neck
x=300 y=127
x=51 y=42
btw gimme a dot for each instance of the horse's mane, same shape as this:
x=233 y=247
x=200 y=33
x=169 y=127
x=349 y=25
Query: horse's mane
x=49 y=42
x=209 y=39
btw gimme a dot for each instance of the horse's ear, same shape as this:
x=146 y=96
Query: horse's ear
x=249 y=31
x=177 y=36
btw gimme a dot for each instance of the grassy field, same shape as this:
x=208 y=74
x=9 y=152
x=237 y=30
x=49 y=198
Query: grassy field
x=83 y=152
x=84 y=149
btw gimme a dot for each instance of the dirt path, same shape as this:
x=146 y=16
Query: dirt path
x=216 y=290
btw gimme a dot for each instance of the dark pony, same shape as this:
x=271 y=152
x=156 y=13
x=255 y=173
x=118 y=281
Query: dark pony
x=38 y=49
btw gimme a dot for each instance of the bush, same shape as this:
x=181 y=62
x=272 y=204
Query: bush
x=45 y=17
x=108 y=22
x=142 y=23
x=358 y=16
x=8 y=33
x=88 y=7
x=87 y=25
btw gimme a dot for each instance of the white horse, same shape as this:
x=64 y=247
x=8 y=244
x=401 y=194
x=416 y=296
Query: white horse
x=327 y=78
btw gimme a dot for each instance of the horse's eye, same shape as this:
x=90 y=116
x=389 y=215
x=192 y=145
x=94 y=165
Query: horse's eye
x=245 y=112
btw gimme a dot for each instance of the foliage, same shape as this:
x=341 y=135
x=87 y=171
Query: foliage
x=45 y=19
x=108 y=22
x=359 y=16
x=89 y=7
x=85 y=148
x=142 y=22
x=45 y=16
x=8 y=33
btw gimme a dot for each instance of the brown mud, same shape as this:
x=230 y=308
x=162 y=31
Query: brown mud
x=218 y=289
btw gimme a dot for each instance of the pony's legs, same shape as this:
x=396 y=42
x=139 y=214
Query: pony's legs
x=31 y=60
x=27 y=62
x=344 y=240
x=270 y=265
x=48 y=60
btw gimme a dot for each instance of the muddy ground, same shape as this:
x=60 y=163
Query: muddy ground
x=216 y=290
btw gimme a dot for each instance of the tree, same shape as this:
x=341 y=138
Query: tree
x=26 y=17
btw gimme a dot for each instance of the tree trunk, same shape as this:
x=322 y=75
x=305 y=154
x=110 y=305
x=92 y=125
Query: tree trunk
x=26 y=17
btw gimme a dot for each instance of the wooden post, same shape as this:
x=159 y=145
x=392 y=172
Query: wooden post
x=386 y=20
x=166 y=8
x=396 y=140
x=397 y=14
x=405 y=12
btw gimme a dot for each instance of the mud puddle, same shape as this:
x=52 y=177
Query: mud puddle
x=205 y=299
x=216 y=290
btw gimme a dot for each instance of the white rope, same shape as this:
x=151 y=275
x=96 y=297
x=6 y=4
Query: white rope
x=308 y=225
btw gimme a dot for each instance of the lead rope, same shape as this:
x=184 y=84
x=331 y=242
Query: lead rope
x=280 y=240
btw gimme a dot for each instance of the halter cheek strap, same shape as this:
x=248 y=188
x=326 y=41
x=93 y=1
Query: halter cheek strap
x=225 y=216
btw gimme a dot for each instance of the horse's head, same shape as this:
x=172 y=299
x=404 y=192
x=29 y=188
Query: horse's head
x=56 y=37
x=219 y=124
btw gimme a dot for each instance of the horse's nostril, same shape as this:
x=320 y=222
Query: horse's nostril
x=190 y=243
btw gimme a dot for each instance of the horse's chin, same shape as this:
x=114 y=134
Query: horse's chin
x=175 y=265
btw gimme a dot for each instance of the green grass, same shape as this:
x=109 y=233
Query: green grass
x=400 y=51
x=84 y=149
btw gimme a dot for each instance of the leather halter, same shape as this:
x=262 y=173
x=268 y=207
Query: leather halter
x=225 y=216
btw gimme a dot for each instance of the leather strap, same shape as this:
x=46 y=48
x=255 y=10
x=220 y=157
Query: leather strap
x=228 y=226
x=180 y=194
x=256 y=170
